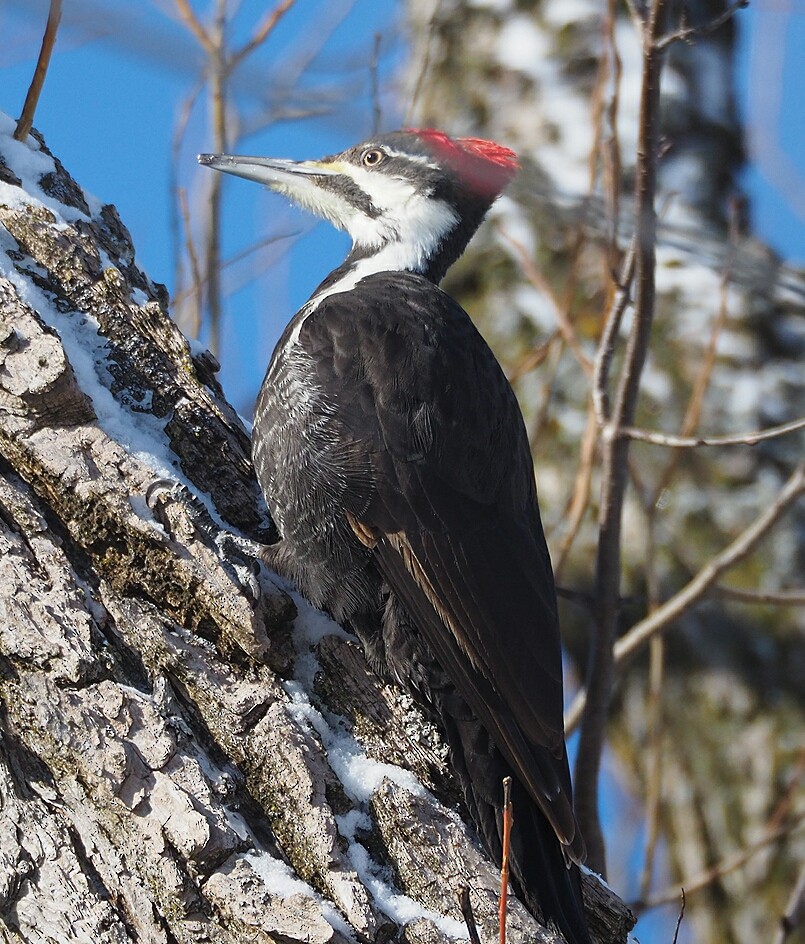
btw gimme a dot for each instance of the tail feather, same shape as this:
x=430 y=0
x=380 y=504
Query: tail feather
x=540 y=876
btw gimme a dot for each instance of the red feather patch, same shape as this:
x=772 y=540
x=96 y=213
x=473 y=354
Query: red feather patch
x=482 y=165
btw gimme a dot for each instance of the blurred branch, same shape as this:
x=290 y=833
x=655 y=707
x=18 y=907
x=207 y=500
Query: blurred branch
x=606 y=346
x=261 y=33
x=194 y=24
x=220 y=65
x=724 y=867
x=773 y=597
x=692 y=592
x=580 y=496
x=600 y=668
x=536 y=278
x=794 y=916
x=375 y=85
x=195 y=268
x=691 y=442
x=687 y=34
x=26 y=119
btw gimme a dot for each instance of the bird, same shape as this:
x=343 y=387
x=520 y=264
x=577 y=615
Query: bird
x=394 y=459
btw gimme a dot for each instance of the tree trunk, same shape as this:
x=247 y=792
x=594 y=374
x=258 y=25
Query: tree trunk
x=172 y=766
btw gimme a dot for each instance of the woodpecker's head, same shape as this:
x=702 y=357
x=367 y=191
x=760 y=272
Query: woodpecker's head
x=413 y=197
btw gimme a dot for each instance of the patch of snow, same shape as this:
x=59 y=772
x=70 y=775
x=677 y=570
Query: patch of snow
x=400 y=908
x=558 y=13
x=498 y=6
x=28 y=161
x=359 y=775
x=140 y=433
x=279 y=879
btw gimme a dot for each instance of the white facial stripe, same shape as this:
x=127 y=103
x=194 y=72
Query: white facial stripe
x=415 y=158
x=410 y=226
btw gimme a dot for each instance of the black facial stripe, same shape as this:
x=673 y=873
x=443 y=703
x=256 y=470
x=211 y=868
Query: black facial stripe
x=346 y=187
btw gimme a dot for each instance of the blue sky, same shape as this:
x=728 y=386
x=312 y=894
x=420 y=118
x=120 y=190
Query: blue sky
x=120 y=72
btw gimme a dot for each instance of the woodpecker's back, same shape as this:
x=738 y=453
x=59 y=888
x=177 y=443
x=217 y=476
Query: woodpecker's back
x=395 y=461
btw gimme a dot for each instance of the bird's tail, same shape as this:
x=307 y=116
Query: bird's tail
x=540 y=876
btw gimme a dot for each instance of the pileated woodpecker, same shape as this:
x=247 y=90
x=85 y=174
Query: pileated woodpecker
x=394 y=459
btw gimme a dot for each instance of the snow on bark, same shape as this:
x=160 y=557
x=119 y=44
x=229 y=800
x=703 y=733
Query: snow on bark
x=172 y=723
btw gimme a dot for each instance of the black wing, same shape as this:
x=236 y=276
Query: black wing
x=438 y=480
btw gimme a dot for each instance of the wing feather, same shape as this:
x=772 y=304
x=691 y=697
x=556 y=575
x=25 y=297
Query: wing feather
x=451 y=513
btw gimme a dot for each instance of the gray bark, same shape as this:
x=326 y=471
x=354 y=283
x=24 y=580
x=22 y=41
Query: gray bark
x=158 y=754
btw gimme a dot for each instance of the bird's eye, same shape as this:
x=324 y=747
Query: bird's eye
x=372 y=157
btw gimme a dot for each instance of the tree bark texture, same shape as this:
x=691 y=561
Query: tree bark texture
x=171 y=755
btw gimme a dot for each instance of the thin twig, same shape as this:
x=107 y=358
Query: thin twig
x=504 y=864
x=195 y=268
x=794 y=916
x=694 y=590
x=26 y=119
x=680 y=916
x=375 y=84
x=600 y=668
x=469 y=918
x=656 y=680
x=725 y=866
x=535 y=277
x=260 y=35
x=762 y=597
x=580 y=496
x=606 y=346
x=194 y=24
x=687 y=34
x=691 y=442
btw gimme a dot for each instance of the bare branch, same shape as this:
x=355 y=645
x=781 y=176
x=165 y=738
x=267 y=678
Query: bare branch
x=606 y=346
x=764 y=597
x=692 y=592
x=195 y=268
x=680 y=916
x=26 y=119
x=691 y=442
x=724 y=867
x=535 y=277
x=375 y=85
x=600 y=668
x=687 y=34
x=469 y=918
x=580 y=496
x=261 y=33
x=794 y=916
x=194 y=24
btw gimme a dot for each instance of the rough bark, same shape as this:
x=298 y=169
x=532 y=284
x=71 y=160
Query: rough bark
x=171 y=757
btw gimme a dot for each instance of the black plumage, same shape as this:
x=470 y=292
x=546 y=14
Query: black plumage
x=395 y=460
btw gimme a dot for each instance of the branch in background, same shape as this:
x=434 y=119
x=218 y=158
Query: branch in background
x=606 y=346
x=691 y=442
x=195 y=268
x=724 y=867
x=26 y=119
x=687 y=34
x=261 y=33
x=764 y=597
x=600 y=669
x=469 y=918
x=580 y=496
x=692 y=592
x=680 y=916
x=794 y=916
x=220 y=65
x=535 y=277
x=375 y=85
